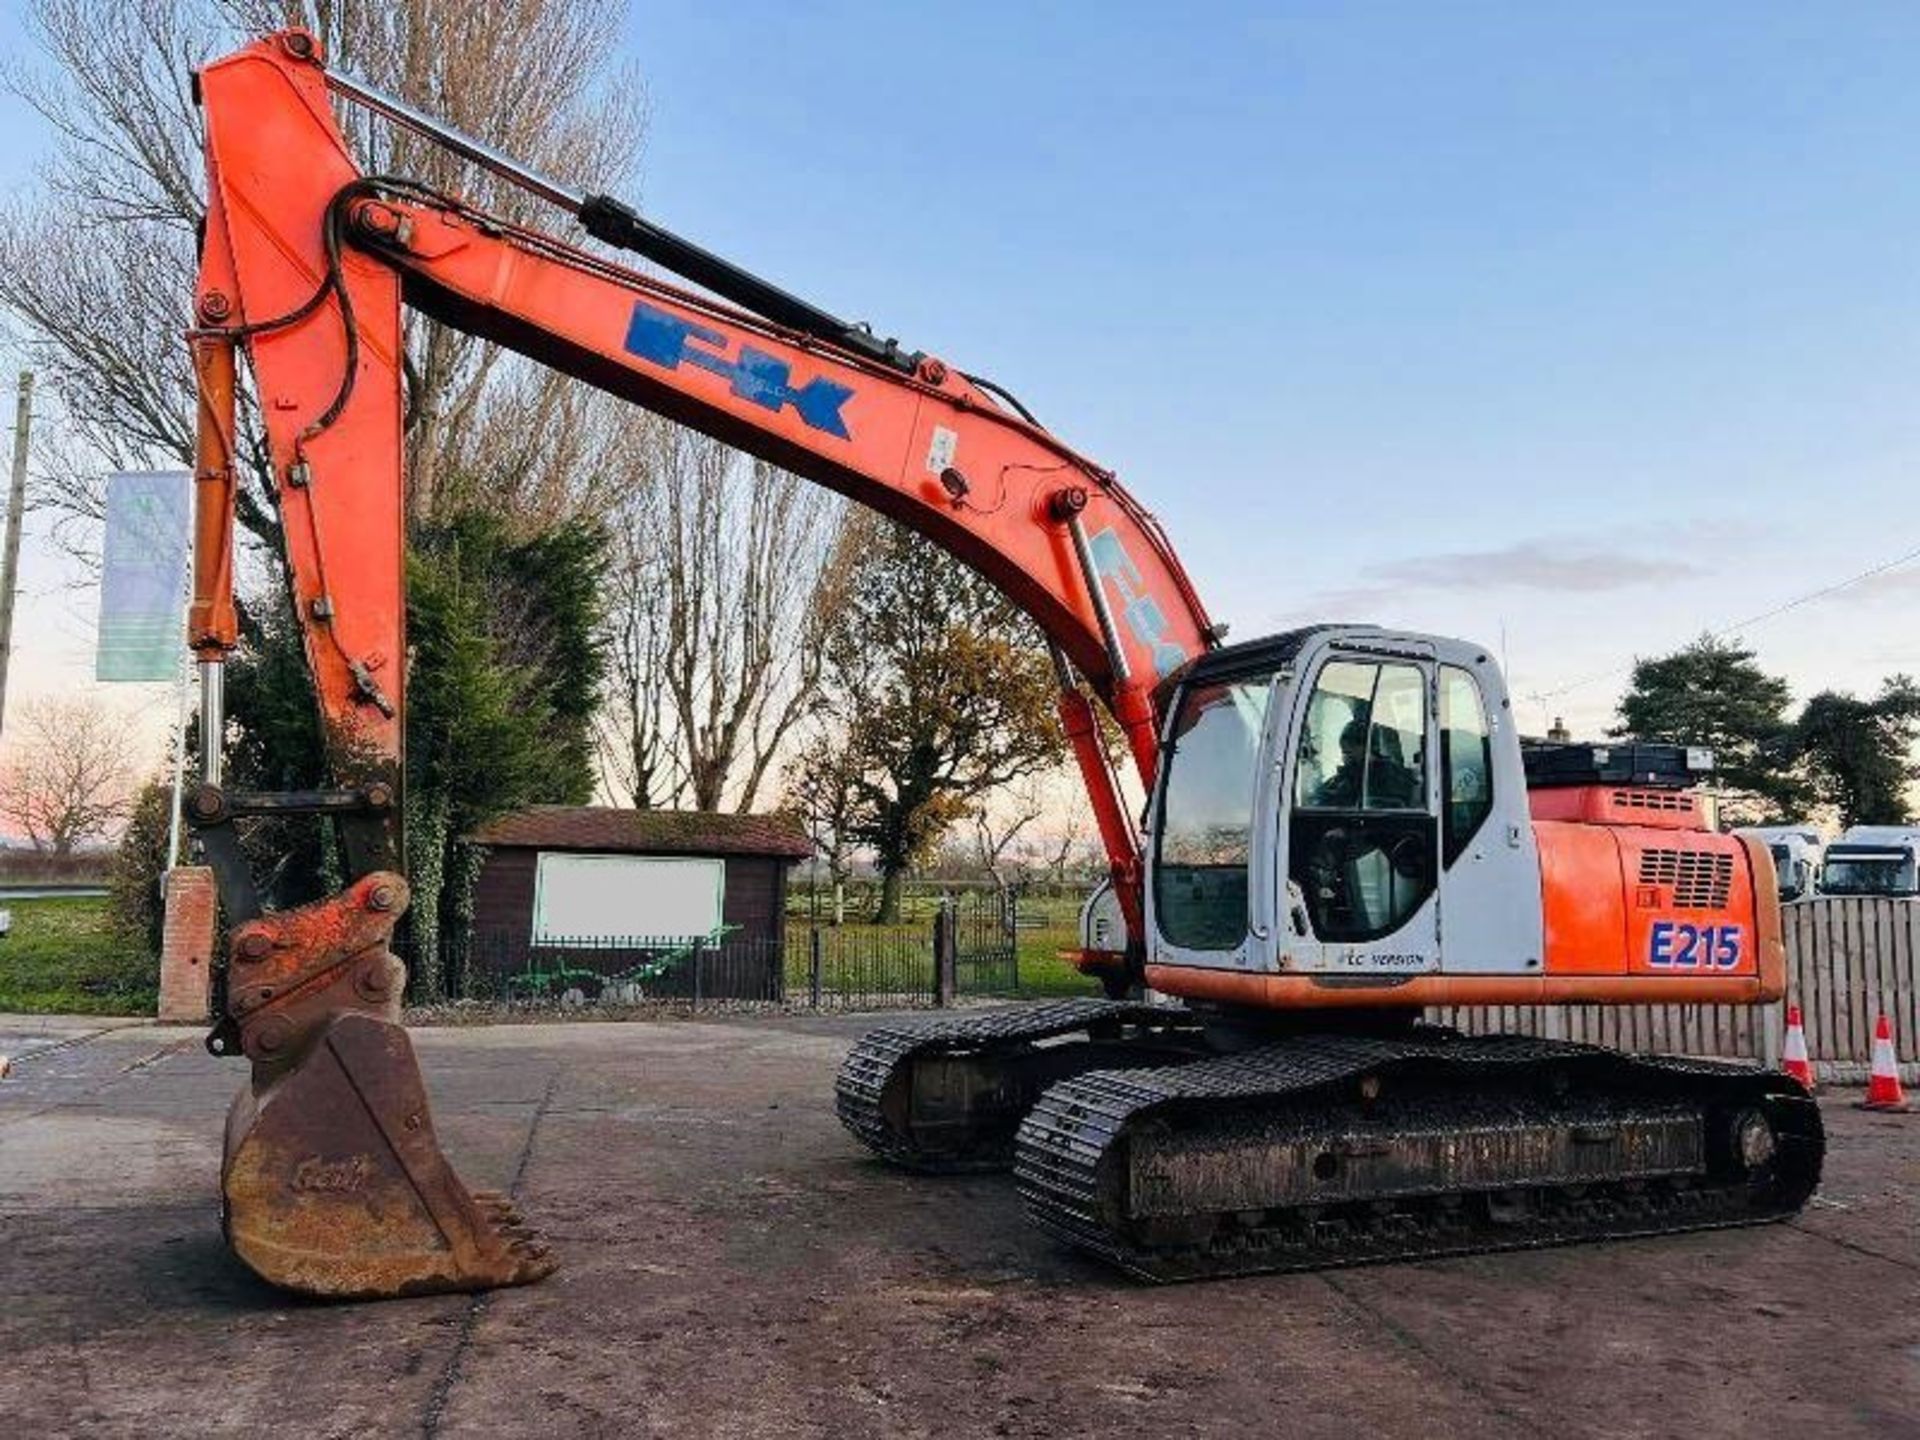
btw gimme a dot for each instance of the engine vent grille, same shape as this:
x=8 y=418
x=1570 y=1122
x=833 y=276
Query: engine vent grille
x=1652 y=799
x=1700 y=879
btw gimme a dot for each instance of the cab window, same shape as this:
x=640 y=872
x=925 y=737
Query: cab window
x=1364 y=742
x=1466 y=755
x=1206 y=814
x=1362 y=844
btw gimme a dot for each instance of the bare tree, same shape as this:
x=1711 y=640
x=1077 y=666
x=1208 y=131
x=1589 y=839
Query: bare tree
x=999 y=822
x=1070 y=839
x=99 y=307
x=640 y=754
x=69 y=776
x=96 y=272
x=727 y=585
x=823 y=787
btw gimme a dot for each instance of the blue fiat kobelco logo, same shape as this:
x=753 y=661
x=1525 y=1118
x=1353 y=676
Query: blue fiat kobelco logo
x=765 y=380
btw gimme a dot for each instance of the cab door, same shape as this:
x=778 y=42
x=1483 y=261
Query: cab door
x=1362 y=852
x=1489 y=855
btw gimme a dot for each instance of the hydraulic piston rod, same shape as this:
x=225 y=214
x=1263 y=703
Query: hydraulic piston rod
x=618 y=224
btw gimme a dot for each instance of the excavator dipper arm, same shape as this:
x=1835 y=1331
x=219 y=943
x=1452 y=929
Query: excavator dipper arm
x=306 y=264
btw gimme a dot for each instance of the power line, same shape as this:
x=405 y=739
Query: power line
x=1739 y=625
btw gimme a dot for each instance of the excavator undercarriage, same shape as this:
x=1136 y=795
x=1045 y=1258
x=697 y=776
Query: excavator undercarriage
x=949 y=1096
x=1326 y=1149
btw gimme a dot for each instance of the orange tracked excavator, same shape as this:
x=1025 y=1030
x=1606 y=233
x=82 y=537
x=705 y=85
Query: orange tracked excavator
x=1342 y=826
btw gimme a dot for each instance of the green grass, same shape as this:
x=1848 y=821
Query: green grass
x=1043 y=974
x=860 y=958
x=65 y=957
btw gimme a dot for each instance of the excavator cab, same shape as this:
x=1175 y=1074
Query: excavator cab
x=1328 y=796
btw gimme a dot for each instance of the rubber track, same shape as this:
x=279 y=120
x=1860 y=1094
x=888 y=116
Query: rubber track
x=883 y=1053
x=1080 y=1122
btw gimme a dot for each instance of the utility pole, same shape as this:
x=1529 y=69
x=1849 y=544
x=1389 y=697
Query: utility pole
x=16 y=510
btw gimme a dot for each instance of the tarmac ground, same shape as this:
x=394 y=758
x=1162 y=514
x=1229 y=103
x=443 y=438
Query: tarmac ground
x=735 y=1265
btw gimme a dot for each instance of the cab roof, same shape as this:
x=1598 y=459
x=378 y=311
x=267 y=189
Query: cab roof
x=1249 y=657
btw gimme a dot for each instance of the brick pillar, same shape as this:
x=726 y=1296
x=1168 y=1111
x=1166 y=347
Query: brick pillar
x=186 y=947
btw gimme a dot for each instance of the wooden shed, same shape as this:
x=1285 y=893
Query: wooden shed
x=593 y=881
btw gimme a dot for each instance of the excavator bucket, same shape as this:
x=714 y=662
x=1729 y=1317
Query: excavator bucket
x=333 y=1183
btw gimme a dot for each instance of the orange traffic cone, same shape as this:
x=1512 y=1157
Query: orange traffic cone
x=1883 y=1086
x=1793 y=1058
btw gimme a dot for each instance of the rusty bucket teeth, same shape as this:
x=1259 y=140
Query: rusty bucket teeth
x=335 y=1186
x=499 y=1206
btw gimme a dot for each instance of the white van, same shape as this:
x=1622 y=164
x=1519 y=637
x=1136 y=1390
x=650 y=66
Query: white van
x=1873 y=860
x=1797 y=851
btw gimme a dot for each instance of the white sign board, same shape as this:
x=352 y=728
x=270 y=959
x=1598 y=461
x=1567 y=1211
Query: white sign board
x=611 y=897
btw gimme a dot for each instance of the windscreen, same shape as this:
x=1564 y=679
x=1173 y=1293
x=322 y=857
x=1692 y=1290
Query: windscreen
x=1880 y=874
x=1206 y=814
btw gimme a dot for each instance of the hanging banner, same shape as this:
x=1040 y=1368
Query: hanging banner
x=143 y=576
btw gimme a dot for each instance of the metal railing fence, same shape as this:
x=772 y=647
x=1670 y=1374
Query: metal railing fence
x=964 y=947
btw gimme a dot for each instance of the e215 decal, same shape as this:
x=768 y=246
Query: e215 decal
x=1676 y=945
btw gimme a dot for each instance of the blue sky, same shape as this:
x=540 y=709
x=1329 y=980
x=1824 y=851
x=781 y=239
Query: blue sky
x=1584 y=326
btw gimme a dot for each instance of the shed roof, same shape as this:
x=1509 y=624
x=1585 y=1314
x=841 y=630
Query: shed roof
x=647 y=832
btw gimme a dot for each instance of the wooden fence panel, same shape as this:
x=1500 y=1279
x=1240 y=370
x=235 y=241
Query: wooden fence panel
x=1850 y=959
x=1906 y=1020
